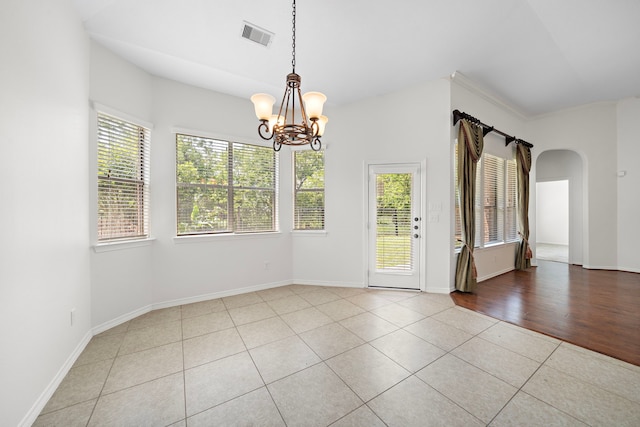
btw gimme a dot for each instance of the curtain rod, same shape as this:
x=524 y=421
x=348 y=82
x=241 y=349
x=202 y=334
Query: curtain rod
x=486 y=129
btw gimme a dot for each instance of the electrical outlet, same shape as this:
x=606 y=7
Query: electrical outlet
x=72 y=316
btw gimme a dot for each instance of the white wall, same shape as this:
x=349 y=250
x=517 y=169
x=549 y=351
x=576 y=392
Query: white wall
x=198 y=266
x=407 y=126
x=44 y=209
x=591 y=132
x=465 y=97
x=121 y=280
x=552 y=212
x=168 y=271
x=629 y=184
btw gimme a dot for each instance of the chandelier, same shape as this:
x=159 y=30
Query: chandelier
x=282 y=127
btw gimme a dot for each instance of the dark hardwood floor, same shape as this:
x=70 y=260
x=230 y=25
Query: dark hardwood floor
x=595 y=309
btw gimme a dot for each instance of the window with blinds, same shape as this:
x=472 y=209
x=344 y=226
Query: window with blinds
x=123 y=179
x=308 y=202
x=393 y=222
x=224 y=187
x=495 y=201
x=493 y=197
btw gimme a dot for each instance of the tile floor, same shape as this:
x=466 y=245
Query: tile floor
x=319 y=356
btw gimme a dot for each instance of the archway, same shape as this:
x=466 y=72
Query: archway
x=553 y=168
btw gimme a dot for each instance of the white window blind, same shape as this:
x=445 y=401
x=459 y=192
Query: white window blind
x=393 y=222
x=308 y=204
x=458 y=225
x=510 y=214
x=123 y=179
x=495 y=201
x=224 y=187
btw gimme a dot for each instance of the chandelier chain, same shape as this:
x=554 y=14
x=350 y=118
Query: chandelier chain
x=293 y=37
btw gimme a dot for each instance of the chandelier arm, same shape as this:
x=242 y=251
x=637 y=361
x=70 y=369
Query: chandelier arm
x=264 y=126
x=315 y=143
x=315 y=128
x=303 y=111
x=276 y=145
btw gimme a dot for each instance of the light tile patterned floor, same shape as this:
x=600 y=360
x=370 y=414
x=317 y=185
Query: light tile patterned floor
x=319 y=356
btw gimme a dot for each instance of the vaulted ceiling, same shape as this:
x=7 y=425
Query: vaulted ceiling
x=538 y=56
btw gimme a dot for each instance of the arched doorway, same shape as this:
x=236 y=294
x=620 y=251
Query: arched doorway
x=559 y=207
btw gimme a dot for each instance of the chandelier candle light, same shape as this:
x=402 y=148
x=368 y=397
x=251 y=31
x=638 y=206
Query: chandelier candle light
x=282 y=127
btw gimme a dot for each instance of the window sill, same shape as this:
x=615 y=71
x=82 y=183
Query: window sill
x=310 y=233
x=490 y=246
x=122 y=245
x=202 y=238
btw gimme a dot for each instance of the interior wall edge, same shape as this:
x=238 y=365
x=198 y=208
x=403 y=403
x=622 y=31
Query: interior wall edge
x=44 y=397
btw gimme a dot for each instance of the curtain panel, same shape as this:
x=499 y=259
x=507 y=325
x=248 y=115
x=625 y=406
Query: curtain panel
x=470 y=145
x=523 y=162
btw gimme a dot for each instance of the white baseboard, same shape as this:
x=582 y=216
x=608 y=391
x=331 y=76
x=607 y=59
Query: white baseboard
x=220 y=294
x=121 y=319
x=494 y=274
x=629 y=269
x=330 y=284
x=438 y=289
x=601 y=267
x=37 y=407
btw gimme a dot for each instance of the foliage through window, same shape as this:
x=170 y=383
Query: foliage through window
x=224 y=187
x=308 y=205
x=495 y=202
x=123 y=179
x=393 y=222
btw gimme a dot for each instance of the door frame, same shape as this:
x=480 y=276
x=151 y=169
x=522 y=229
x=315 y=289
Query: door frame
x=422 y=179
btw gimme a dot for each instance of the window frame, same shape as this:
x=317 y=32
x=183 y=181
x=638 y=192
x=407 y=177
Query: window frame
x=231 y=230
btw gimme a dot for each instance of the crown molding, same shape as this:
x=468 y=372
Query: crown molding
x=463 y=81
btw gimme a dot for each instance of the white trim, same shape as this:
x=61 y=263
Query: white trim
x=121 y=319
x=39 y=405
x=463 y=81
x=312 y=233
x=220 y=294
x=122 y=245
x=217 y=136
x=203 y=238
x=438 y=290
x=629 y=269
x=494 y=274
x=601 y=267
x=306 y=282
x=97 y=107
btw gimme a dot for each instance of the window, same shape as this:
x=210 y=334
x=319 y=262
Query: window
x=495 y=202
x=123 y=179
x=308 y=197
x=224 y=187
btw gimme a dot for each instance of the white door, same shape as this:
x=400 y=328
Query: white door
x=395 y=226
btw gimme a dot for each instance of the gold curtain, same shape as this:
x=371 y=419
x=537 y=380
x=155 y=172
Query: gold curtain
x=523 y=162
x=470 y=144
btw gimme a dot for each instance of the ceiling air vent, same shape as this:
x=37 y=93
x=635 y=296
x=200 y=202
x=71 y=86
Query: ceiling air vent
x=256 y=34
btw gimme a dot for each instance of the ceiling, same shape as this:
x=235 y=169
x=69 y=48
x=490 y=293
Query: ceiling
x=538 y=56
